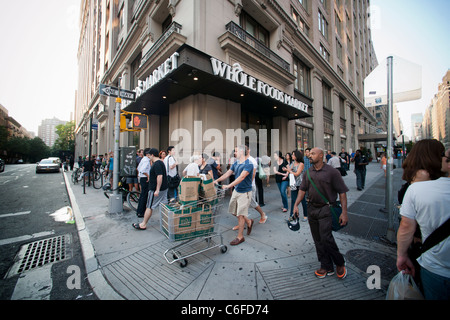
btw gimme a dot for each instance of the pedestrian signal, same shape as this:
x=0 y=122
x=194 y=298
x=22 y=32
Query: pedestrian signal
x=139 y=121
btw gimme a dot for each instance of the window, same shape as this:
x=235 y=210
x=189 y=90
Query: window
x=323 y=25
x=304 y=3
x=338 y=24
x=302 y=78
x=324 y=53
x=339 y=49
x=326 y=95
x=121 y=19
x=254 y=28
x=300 y=22
x=166 y=24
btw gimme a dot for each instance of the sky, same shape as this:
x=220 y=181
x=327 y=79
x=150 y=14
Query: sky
x=38 y=59
x=416 y=31
x=39 y=42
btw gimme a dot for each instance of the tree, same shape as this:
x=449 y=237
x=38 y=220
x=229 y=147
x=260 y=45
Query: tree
x=66 y=137
x=38 y=150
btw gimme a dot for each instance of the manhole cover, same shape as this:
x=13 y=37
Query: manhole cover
x=362 y=259
x=36 y=254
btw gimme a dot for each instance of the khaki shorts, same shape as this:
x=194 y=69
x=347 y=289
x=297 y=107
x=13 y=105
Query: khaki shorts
x=239 y=203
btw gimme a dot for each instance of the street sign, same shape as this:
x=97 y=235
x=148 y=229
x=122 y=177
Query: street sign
x=111 y=91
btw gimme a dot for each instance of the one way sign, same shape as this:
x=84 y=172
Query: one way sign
x=110 y=91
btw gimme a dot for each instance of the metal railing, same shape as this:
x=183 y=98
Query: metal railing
x=256 y=44
x=174 y=27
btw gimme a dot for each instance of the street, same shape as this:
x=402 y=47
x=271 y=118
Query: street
x=33 y=216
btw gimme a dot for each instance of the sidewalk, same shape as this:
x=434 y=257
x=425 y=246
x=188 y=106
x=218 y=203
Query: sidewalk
x=273 y=263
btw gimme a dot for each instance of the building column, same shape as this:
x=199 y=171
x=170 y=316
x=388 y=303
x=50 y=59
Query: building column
x=317 y=109
x=336 y=120
x=348 y=125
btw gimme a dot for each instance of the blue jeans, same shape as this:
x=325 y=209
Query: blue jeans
x=282 y=187
x=294 y=194
x=435 y=287
x=360 y=178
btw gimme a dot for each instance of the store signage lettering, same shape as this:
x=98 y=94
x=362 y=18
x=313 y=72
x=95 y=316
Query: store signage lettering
x=236 y=74
x=158 y=74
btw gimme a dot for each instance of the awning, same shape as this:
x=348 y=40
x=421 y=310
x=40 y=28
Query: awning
x=194 y=75
x=373 y=137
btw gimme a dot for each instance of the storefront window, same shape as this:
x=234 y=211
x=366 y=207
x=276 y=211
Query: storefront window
x=328 y=142
x=304 y=137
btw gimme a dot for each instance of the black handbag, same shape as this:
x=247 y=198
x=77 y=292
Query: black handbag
x=174 y=181
x=336 y=209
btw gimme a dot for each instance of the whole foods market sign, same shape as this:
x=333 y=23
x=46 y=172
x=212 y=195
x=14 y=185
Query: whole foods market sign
x=236 y=74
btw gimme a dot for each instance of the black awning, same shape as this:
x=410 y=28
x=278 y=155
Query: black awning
x=194 y=75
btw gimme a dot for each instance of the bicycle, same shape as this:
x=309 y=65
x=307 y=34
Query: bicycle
x=76 y=174
x=131 y=197
x=100 y=176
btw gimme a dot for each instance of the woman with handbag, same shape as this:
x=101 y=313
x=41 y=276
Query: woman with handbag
x=281 y=178
x=295 y=170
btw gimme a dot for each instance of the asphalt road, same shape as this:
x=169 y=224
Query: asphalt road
x=33 y=211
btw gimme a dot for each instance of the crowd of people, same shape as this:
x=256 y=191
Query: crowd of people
x=424 y=198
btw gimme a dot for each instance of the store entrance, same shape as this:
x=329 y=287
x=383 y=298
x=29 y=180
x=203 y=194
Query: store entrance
x=258 y=129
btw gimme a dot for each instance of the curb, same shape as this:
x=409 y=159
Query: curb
x=99 y=284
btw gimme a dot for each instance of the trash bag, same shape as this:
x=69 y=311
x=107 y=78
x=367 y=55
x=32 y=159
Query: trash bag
x=403 y=287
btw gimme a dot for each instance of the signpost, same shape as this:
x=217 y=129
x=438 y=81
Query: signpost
x=115 y=201
x=382 y=90
x=111 y=91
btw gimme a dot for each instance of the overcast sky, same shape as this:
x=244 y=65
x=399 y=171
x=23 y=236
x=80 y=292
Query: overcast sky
x=38 y=59
x=39 y=41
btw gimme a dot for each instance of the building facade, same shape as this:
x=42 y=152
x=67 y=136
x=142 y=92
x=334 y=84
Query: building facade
x=211 y=74
x=436 y=120
x=47 y=130
x=15 y=129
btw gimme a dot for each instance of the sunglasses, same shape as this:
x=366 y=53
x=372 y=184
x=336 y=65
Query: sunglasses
x=447 y=159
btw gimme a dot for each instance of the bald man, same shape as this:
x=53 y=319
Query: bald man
x=330 y=183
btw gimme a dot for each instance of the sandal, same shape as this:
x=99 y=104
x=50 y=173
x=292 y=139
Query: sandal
x=138 y=227
x=263 y=220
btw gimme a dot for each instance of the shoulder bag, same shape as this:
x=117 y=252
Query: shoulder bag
x=174 y=181
x=336 y=210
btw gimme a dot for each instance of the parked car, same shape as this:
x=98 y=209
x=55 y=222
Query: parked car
x=2 y=165
x=47 y=165
x=58 y=160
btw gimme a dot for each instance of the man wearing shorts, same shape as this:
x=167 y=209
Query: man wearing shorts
x=157 y=192
x=242 y=193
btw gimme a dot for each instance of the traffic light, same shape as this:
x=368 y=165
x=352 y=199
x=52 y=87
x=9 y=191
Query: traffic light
x=130 y=121
x=139 y=121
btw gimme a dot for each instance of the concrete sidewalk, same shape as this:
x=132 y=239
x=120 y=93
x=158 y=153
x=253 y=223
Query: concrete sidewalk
x=273 y=263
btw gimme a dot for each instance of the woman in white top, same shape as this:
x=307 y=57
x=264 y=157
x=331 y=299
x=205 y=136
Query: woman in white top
x=192 y=169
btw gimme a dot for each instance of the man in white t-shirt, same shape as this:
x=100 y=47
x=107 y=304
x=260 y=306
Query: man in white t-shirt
x=427 y=203
x=171 y=169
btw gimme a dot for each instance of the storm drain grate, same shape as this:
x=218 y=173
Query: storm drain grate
x=39 y=253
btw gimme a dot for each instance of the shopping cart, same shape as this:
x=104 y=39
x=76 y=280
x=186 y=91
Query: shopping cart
x=192 y=222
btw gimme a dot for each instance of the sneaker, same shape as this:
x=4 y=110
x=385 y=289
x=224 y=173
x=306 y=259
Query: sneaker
x=322 y=273
x=341 y=272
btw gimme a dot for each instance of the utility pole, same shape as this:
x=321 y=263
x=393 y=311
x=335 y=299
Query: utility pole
x=390 y=159
x=115 y=201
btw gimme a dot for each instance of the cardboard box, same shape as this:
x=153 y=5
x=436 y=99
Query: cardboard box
x=188 y=190
x=207 y=189
x=204 y=220
x=178 y=222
